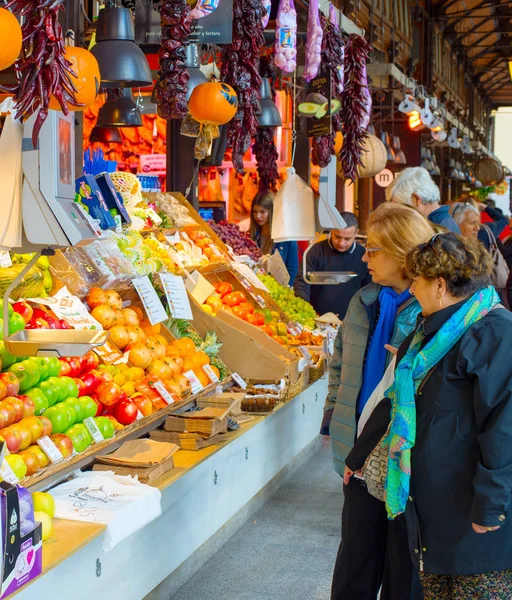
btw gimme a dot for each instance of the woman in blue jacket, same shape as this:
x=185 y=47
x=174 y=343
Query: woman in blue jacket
x=262 y=208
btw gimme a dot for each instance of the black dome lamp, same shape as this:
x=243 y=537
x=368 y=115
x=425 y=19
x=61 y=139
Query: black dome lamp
x=107 y=135
x=192 y=63
x=122 y=63
x=122 y=112
x=269 y=116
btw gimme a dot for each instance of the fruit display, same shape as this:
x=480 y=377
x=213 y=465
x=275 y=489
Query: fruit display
x=172 y=211
x=38 y=317
x=241 y=243
x=147 y=255
x=44 y=512
x=16 y=322
x=295 y=308
x=37 y=283
x=196 y=248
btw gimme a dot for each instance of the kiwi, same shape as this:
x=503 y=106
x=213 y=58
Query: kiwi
x=308 y=109
x=316 y=98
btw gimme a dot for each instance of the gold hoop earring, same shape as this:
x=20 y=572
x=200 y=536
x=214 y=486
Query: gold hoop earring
x=441 y=302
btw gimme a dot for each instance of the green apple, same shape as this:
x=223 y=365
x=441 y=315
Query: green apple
x=59 y=418
x=106 y=427
x=89 y=407
x=44 y=365
x=71 y=412
x=58 y=385
x=79 y=436
x=9 y=309
x=27 y=374
x=6 y=358
x=70 y=387
x=16 y=323
x=54 y=367
x=40 y=400
x=50 y=391
x=78 y=408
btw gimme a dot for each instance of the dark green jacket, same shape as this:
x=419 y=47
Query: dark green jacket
x=346 y=366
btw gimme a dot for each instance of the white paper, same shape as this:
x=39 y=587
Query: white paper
x=5 y=261
x=93 y=429
x=210 y=373
x=199 y=288
x=195 y=384
x=177 y=297
x=277 y=268
x=237 y=379
x=249 y=274
x=154 y=308
x=50 y=449
x=174 y=238
x=294 y=210
x=70 y=308
x=164 y=392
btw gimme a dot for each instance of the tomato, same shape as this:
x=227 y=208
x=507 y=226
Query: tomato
x=234 y=298
x=241 y=313
x=256 y=319
x=248 y=307
x=224 y=288
x=125 y=412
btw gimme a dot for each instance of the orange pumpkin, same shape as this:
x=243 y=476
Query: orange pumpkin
x=338 y=143
x=10 y=34
x=87 y=80
x=213 y=103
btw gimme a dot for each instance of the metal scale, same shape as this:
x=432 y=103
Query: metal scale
x=51 y=219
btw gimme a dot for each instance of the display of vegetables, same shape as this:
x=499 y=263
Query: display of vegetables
x=42 y=69
x=286 y=37
x=240 y=242
x=313 y=42
x=172 y=87
x=356 y=104
x=240 y=69
x=295 y=308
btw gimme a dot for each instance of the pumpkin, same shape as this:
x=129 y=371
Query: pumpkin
x=10 y=34
x=374 y=158
x=338 y=143
x=87 y=80
x=213 y=103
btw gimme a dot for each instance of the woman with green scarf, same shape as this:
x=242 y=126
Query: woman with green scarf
x=449 y=441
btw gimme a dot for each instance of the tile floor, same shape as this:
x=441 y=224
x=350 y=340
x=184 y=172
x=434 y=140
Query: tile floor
x=286 y=551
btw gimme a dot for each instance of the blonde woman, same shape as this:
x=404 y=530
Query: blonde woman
x=373 y=551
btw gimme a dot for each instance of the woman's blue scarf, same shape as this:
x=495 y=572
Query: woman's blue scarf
x=409 y=374
x=377 y=355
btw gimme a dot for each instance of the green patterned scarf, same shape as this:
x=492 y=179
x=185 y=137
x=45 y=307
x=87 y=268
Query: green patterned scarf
x=408 y=376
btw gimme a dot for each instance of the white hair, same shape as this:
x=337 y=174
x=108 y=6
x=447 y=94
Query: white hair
x=459 y=210
x=414 y=180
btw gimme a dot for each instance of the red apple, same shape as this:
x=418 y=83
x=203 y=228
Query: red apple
x=81 y=387
x=63 y=443
x=125 y=412
x=65 y=369
x=37 y=324
x=12 y=438
x=110 y=393
x=3 y=390
x=29 y=408
x=90 y=361
x=76 y=367
x=7 y=414
x=47 y=425
x=18 y=406
x=91 y=381
x=12 y=383
x=25 y=434
x=53 y=323
x=103 y=375
x=64 y=324
x=40 y=313
x=24 y=309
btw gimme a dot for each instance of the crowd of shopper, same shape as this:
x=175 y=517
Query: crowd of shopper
x=419 y=407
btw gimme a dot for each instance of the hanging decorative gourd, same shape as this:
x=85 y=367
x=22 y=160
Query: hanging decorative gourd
x=338 y=143
x=11 y=39
x=373 y=158
x=87 y=81
x=213 y=103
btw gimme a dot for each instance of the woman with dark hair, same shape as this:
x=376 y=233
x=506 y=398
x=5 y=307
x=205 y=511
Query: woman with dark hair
x=449 y=439
x=262 y=209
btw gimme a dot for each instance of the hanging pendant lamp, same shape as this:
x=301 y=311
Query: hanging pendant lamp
x=122 y=63
x=269 y=116
x=400 y=158
x=192 y=63
x=384 y=136
x=122 y=112
x=107 y=135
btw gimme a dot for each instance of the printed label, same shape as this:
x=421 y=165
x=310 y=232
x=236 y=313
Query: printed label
x=5 y=261
x=306 y=354
x=195 y=384
x=210 y=373
x=241 y=383
x=93 y=429
x=164 y=392
x=50 y=449
x=8 y=474
x=154 y=308
x=177 y=297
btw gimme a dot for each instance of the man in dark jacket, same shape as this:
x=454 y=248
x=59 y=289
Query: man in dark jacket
x=415 y=187
x=340 y=252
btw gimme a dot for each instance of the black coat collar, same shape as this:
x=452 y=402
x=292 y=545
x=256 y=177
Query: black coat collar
x=435 y=321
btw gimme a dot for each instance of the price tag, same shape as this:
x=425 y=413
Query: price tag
x=260 y=301
x=174 y=238
x=307 y=355
x=93 y=429
x=5 y=261
x=164 y=392
x=294 y=328
x=195 y=384
x=154 y=308
x=211 y=373
x=236 y=377
x=108 y=353
x=216 y=251
x=8 y=474
x=199 y=287
x=123 y=360
x=177 y=297
x=250 y=275
x=277 y=268
x=139 y=415
x=50 y=449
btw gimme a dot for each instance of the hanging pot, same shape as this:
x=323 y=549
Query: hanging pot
x=488 y=171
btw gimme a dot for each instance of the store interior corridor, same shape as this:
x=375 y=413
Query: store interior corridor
x=286 y=549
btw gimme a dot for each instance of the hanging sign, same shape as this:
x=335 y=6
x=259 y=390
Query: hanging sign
x=318 y=105
x=384 y=178
x=154 y=308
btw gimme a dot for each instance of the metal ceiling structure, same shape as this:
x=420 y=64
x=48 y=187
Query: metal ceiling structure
x=481 y=33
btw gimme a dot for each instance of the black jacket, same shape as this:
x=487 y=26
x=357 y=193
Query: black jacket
x=462 y=459
x=333 y=298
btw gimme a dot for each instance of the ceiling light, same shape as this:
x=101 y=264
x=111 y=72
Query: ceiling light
x=107 y=135
x=122 y=112
x=415 y=123
x=270 y=116
x=408 y=105
x=400 y=158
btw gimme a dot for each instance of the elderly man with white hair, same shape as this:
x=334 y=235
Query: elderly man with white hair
x=415 y=187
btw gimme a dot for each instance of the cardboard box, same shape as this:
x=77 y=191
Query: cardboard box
x=22 y=554
x=250 y=358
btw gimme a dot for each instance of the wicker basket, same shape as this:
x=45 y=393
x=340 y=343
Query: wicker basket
x=318 y=371
x=294 y=389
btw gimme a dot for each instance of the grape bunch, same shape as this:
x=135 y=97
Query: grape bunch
x=241 y=242
x=295 y=308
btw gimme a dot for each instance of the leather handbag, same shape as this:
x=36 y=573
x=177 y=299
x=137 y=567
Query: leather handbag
x=500 y=273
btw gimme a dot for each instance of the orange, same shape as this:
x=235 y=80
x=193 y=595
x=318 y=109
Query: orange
x=185 y=346
x=202 y=376
x=188 y=365
x=200 y=359
x=138 y=311
x=215 y=370
x=87 y=81
x=161 y=339
x=10 y=34
x=149 y=329
x=172 y=351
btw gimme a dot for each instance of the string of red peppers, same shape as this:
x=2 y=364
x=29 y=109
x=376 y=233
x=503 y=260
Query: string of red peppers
x=42 y=70
x=332 y=58
x=240 y=69
x=172 y=86
x=264 y=147
x=356 y=105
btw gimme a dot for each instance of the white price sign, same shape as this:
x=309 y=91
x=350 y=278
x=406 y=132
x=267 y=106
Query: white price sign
x=195 y=384
x=50 y=449
x=249 y=274
x=154 y=308
x=139 y=415
x=176 y=294
x=236 y=377
x=199 y=287
x=8 y=474
x=5 y=261
x=306 y=354
x=164 y=392
x=174 y=238
x=277 y=268
x=93 y=429
x=210 y=373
